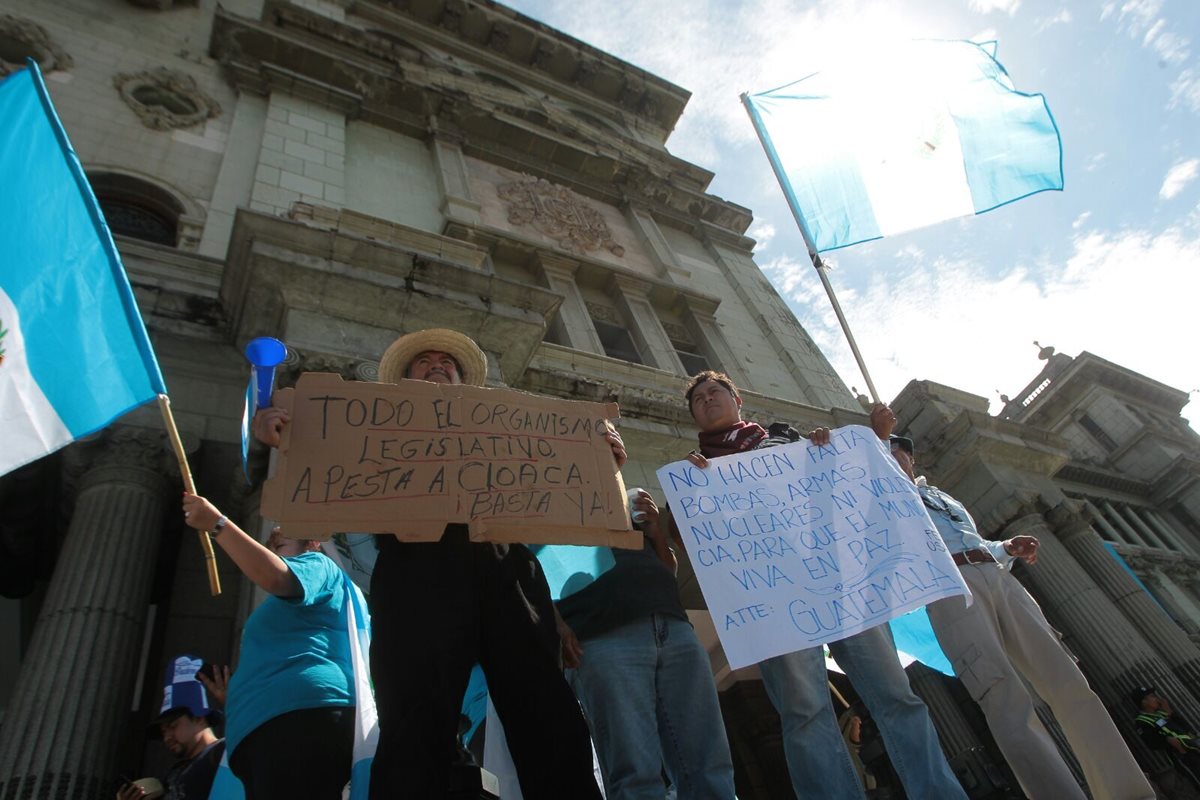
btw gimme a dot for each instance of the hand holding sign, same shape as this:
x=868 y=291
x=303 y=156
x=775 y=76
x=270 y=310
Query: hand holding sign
x=407 y=458
x=803 y=544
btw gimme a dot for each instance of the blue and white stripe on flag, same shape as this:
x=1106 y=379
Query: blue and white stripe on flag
x=906 y=137
x=366 y=716
x=916 y=641
x=74 y=354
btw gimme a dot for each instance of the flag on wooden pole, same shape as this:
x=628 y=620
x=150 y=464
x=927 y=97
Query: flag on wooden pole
x=74 y=354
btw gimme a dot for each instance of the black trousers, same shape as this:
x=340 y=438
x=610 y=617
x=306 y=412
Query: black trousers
x=305 y=753
x=437 y=608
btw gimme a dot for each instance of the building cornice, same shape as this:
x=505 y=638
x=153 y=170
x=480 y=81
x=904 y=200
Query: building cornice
x=364 y=75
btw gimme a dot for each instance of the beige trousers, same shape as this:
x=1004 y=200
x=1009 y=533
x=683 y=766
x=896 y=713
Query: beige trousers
x=1002 y=632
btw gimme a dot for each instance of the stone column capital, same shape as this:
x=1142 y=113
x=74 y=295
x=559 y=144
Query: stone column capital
x=125 y=454
x=1071 y=518
x=1023 y=508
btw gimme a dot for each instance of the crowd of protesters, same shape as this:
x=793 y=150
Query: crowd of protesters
x=638 y=685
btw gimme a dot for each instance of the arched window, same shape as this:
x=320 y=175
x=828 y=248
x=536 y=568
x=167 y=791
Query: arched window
x=138 y=209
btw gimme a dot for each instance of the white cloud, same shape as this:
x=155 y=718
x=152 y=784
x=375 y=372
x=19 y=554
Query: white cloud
x=1061 y=18
x=1141 y=19
x=763 y=233
x=987 y=6
x=1080 y=220
x=1185 y=91
x=1178 y=177
x=1125 y=296
x=1095 y=162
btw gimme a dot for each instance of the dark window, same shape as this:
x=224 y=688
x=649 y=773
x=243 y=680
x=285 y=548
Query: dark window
x=617 y=342
x=137 y=209
x=692 y=362
x=153 y=96
x=1089 y=425
x=129 y=219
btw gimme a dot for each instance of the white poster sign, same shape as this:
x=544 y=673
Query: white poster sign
x=799 y=545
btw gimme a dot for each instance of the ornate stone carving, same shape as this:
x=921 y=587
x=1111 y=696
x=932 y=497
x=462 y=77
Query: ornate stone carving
x=559 y=213
x=603 y=313
x=165 y=99
x=677 y=332
x=24 y=38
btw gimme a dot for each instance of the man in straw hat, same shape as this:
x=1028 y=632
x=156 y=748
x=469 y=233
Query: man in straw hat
x=439 y=607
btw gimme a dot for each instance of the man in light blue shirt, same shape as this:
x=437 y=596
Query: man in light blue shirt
x=1001 y=630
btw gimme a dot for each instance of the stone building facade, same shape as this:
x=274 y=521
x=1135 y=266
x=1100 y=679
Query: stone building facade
x=337 y=172
x=334 y=173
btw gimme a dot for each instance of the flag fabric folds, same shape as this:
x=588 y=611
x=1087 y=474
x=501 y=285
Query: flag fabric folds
x=903 y=137
x=74 y=354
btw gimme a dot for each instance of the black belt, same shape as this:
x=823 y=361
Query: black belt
x=973 y=557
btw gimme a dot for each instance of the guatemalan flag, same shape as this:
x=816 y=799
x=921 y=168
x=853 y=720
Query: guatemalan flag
x=74 y=354
x=903 y=138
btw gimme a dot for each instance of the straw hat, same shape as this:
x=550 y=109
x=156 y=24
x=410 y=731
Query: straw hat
x=471 y=360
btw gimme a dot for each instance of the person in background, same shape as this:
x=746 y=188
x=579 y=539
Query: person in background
x=185 y=724
x=1162 y=729
x=294 y=684
x=643 y=677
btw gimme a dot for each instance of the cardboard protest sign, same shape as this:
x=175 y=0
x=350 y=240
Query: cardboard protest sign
x=800 y=545
x=409 y=457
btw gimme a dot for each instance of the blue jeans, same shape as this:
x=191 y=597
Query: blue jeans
x=649 y=696
x=817 y=758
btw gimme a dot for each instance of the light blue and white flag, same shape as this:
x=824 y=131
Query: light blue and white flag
x=900 y=138
x=74 y=354
x=366 y=716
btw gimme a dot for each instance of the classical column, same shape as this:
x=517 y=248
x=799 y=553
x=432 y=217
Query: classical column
x=953 y=728
x=1166 y=593
x=1111 y=648
x=1170 y=642
x=75 y=688
x=1127 y=531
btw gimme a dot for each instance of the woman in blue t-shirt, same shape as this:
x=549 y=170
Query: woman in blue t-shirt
x=293 y=691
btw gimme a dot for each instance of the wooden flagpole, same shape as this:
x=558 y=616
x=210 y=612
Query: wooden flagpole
x=821 y=267
x=210 y=558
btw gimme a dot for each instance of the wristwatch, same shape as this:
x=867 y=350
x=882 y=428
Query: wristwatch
x=219 y=526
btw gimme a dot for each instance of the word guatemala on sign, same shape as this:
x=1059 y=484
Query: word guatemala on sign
x=410 y=457
x=800 y=545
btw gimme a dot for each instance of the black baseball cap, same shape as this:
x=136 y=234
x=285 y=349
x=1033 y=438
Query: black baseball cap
x=1139 y=694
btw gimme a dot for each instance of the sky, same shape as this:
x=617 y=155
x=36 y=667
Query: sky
x=1110 y=265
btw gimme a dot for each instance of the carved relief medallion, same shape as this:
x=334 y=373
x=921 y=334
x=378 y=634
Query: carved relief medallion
x=164 y=99
x=22 y=38
x=559 y=213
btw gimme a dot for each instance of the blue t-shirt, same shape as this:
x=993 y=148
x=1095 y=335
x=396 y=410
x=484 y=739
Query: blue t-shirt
x=295 y=652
